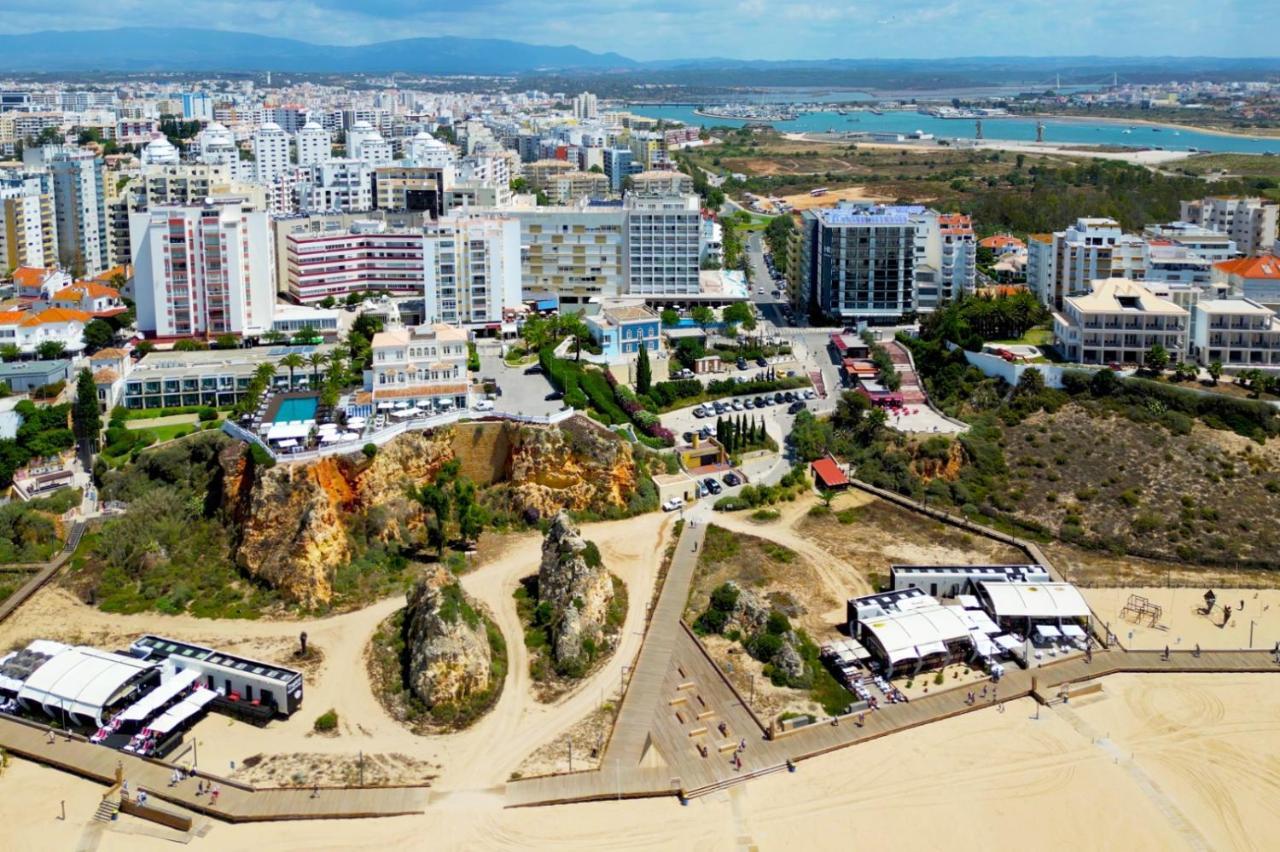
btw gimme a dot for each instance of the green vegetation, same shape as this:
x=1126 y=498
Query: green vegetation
x=43 y=433
x=29 y=531
x=389 y=662
x=793 y=483
x=326 y=722
x=538 y=620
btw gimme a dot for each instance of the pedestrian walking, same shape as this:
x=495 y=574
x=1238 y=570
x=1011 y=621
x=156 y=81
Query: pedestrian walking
x=315 y=792
x=742 y=746
x=213 y=794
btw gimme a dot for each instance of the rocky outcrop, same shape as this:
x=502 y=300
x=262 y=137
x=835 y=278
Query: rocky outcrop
x=577 y=466
x=292 y=519
x=573 y=580
x=291 y=531
x=749 y=612
x=449 y=655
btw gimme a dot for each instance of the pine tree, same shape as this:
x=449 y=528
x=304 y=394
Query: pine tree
x=644 y=373
x=86 y=419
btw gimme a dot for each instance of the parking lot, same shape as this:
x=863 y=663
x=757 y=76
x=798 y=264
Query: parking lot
x=520 y=392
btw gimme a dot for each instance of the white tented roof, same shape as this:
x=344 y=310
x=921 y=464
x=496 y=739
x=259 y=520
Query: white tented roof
x=1035 y=600
x=82 y=680
x=158 y=697
x=183 y=710
x=918 y=633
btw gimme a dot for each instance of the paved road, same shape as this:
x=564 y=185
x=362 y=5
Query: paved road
x=521 y=393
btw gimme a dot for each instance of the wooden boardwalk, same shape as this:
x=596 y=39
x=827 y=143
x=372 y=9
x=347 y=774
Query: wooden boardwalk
x=678 y=697
x=236 y=802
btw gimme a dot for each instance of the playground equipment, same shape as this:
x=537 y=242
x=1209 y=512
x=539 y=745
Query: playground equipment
x=1139 y=608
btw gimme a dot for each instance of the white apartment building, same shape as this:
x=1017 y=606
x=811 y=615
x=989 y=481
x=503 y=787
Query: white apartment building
x=1118 y=322
x=1092 y=249
x=80 y=204
x=337 y=184
x=472 y=269
x=160 y=152
x=950 y=251
x=1250 y=222
x=270 y=153
x=364 y=256
x=217 y=144
x=313 y=144
x=425 y=367
x=426 y=150
x=663 y=245
x=1238 y=333
x=586 y=106
x=184 y=183
x=28 y=227
x=577 y=253
x=366 y=144
x=203 y=270
x=1209 y=244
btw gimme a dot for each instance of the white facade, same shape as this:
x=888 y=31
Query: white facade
x=202 y=270
x=28 y=230
x=586 y=106
x=1250 y=222
x=663 y=245
x=426 y=366
x=577 y=253
x=1118 y=323
x=28 y=329
x=217 y=144
x=949 y=256
x=1238 y=333
x=344 y=184
x=81 y=208
x=314 y=145
x=472 y=269
x=366 y=144
x=160 y=152
x=1090 y=250
x=366 y=256
x=270 y=153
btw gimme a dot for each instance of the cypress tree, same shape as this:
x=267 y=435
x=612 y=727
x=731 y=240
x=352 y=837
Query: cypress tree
x=86 y=420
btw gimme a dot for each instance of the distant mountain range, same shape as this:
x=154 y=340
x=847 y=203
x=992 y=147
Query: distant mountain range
x=183 y=49
x=179 y=50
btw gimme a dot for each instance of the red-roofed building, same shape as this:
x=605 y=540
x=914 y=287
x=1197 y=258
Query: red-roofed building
x=91 y=297
x=36 y=282
x=1002 y=244
x=1254 y=278
x=28 y=329
x=828 y=474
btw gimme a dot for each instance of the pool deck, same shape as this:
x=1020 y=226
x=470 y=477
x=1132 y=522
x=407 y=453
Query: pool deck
x=278 y=401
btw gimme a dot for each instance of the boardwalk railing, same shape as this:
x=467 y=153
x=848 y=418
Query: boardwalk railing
x=381 y=436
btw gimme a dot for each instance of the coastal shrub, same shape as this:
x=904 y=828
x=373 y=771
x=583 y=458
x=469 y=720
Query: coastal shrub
x=326 y=722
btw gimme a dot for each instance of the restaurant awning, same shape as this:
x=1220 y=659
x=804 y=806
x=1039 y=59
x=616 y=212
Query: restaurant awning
x=182 y=711
x=1048 y=631
x=1007 y=642
x=1073 y=630
x=158 y=697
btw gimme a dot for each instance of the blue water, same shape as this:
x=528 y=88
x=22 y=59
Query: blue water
x=1006 y=129
x=297 y=408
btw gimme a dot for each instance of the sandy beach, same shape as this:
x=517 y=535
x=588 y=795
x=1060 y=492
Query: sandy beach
x=1153 y=762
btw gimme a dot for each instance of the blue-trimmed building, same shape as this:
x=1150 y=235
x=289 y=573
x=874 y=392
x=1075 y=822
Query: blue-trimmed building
x=624 y=329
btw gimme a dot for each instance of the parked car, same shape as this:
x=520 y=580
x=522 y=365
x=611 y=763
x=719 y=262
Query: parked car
x=750 y=403
x=795 y=408
x=777 y=398
x=789 y=396
x=761 y=362
x=554 y=395
x=699 y=412
x=533 y=370
x=688 y=437
x=810 y=394
x=742 y=363
x=712 y=485
x=673 y=504
x=705 y=432
x=483 y=405
x=731 y=479
x=737 y=405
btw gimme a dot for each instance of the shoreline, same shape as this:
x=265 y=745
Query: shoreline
x=1146 y=122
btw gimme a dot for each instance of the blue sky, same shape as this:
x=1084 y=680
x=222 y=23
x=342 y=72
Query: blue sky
x=747 y=29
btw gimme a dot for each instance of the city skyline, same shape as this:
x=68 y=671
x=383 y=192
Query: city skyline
x=647 y=30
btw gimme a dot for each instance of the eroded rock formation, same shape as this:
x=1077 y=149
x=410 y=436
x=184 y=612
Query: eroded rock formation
x=449 y=655
x=293 y=520
x=573 y=580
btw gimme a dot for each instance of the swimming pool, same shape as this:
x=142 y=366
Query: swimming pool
x=297 y=408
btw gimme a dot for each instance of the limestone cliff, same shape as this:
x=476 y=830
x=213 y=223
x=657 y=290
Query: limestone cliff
x=449 y=654
x=573 y=581
x=292 y=520
x=291 y=531
x=577 y=466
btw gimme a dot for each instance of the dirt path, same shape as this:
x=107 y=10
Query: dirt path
x=479 y=758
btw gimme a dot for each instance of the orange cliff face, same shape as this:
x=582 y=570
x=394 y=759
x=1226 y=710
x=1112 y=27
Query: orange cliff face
x=292 y=519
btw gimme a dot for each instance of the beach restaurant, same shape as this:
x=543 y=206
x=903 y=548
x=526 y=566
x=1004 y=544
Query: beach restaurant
x=1049 y=611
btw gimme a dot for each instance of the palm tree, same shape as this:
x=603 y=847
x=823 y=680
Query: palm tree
x=316 y=360
x=293 y=361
